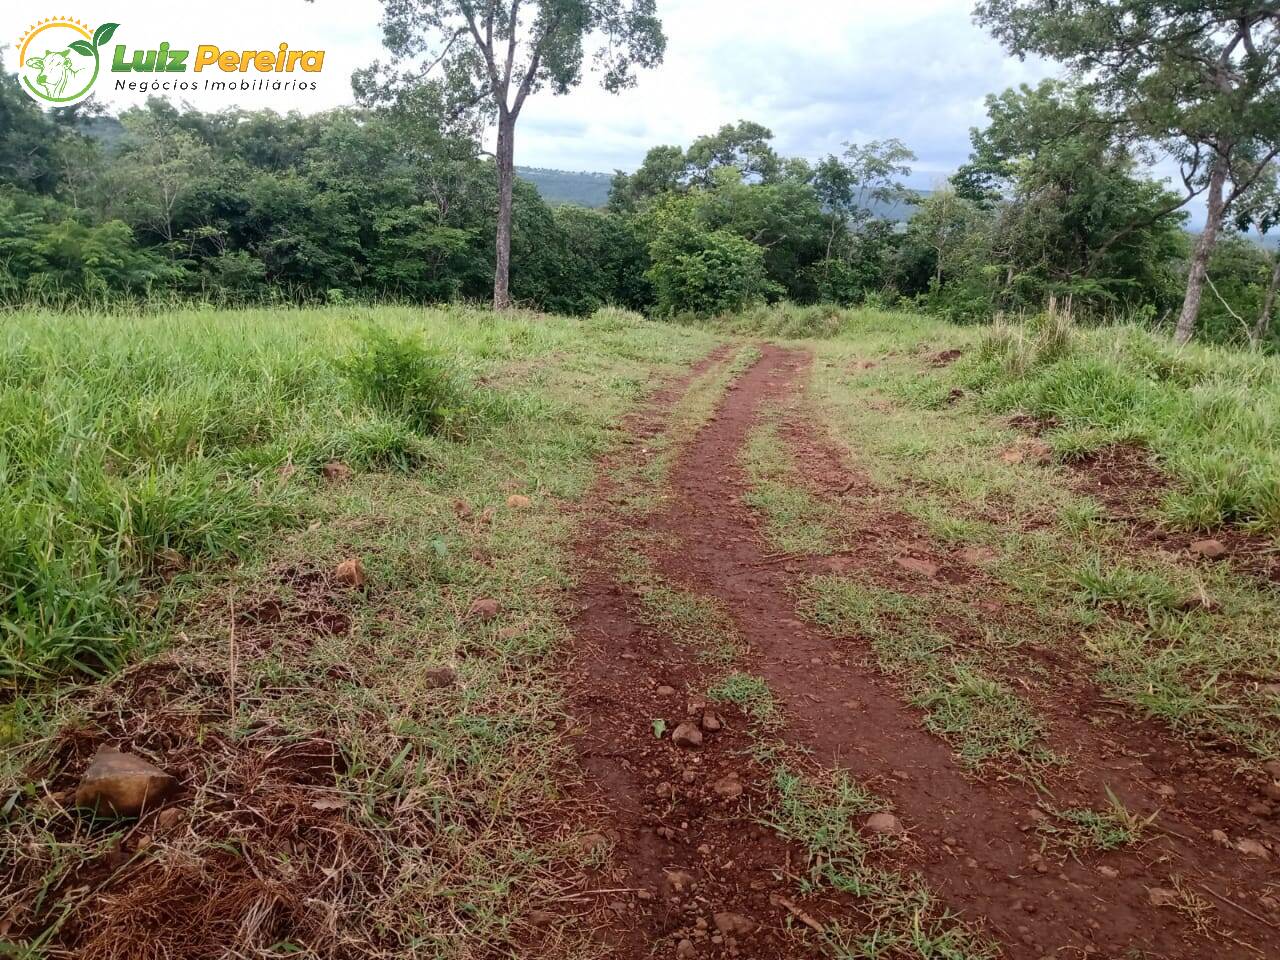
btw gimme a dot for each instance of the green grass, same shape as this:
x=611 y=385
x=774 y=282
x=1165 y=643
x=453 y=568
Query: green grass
x=749 y=693
x=1188 y=642
x=438 y=824
x=796 y=520
x=1211 y=416
x=1111 y=828
x=964 y=703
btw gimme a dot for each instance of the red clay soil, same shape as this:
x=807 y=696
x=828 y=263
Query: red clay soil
x=688 y=859
x=1197 y=782
x=974 y=841
x=1126 y=479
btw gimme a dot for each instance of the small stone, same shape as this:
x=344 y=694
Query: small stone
x=733 y=924
x=337 y=470
x=484 y=609
x=351 y=572
x=168 y=818
x=593 y=844
x=1253 y=848
x=1162 y=896
x=1272 y=790
x=711 y=722
x=1029 y=449
x=1166 y=791
x=1209 y=549
x=122 y=784
x=1259 y=809
x=980 y=556
x=542 y=918
x=885 y=823
x=677 y=881
x=665 y=691
x=1272 y=767
x=437 y=678
x=1109 y=872
x=1220 y=838
x=518 y=502
x=687 y=735
x=686 y=949
x=925 y=568
x=728 y=788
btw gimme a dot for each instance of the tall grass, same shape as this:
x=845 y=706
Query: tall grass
x=134 y=448
x=1210 y=415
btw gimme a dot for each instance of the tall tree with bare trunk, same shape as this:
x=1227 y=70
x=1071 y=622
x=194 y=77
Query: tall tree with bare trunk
x=489 y=56
x=1201 y=79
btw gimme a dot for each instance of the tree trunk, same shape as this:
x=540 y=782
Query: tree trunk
x=1268 y=304
x=506 y=179
x=1203 y=250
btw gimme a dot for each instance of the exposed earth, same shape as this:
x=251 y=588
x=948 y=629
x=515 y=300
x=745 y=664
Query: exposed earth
x=764 y=701
x=695 y=869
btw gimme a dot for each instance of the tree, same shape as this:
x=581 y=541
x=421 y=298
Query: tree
x=1073 y=218
x=491 y=55
x=663 y=171
x=1262 y=215
x=852 y=186
x=744 y=146
x=942 y=224
x=699 y=270
x=157 y=169
x=1203 y=78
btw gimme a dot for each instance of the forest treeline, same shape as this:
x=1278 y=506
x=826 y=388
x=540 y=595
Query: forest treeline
x=239 y=206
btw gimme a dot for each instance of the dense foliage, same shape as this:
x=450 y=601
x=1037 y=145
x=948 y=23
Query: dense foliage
x=369 y=204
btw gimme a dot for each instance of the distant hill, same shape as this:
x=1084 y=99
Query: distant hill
x=592 y=190
x=568 y=186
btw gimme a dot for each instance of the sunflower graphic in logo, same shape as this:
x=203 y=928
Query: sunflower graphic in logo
x=59 y=59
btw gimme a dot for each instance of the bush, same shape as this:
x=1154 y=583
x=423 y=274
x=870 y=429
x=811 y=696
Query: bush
x=405 y=379
x=704 y=272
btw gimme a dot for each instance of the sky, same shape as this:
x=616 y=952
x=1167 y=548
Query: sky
x=818 y=73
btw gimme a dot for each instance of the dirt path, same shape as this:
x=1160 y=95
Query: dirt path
x=687 y=851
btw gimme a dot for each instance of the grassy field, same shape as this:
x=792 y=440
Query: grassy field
x=1184 y=640
x=167 y=491
x=382 y=766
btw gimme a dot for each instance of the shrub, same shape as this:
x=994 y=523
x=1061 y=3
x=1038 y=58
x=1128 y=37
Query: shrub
x=405 y=379
x=704 y=272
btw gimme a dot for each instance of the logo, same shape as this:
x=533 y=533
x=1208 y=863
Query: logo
x=59 y=59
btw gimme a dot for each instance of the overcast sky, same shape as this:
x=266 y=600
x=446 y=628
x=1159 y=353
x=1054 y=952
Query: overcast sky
x=817 y=72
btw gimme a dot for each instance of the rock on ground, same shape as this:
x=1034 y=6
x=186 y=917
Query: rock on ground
x=122 y=784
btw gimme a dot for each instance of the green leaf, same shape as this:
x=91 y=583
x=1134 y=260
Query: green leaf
x=104 y=33
x=82 y=47
x=659 y=727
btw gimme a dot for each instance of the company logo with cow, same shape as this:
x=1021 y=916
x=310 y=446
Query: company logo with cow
x=60 y=59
